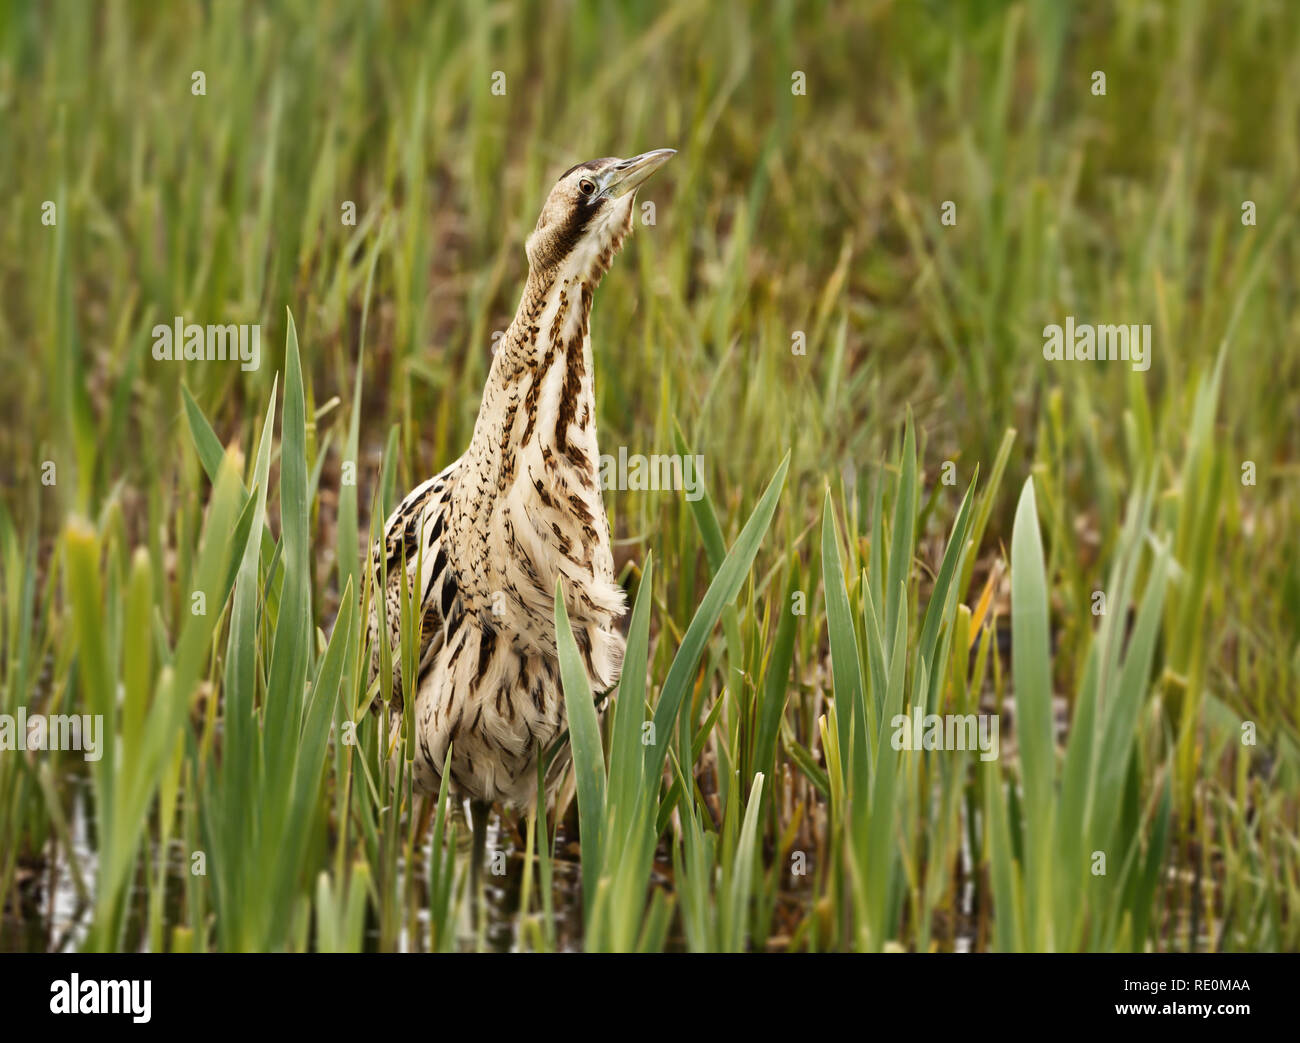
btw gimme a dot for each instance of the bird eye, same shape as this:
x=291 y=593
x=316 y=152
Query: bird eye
x=586 y=186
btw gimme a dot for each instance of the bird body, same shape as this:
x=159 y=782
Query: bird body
x=483 y=544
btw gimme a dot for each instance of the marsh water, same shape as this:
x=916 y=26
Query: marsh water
x=51 y=909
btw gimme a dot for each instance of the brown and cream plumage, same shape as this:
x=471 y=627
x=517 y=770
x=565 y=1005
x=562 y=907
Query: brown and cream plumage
x=482 y=544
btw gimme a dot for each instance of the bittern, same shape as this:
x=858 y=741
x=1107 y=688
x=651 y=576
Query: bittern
x=482 y=544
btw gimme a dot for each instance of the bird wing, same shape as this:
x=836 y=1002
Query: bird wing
x=412 y=549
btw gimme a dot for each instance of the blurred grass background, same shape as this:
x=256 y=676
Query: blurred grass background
x=782 y=214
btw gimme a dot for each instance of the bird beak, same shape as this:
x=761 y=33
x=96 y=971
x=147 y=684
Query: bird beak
x=628 y=175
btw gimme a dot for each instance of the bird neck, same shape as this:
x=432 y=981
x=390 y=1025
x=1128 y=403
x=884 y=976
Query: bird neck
x=540 y=394
x=528 y=486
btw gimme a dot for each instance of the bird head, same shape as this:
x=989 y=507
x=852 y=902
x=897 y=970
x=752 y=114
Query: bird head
x=589 y=212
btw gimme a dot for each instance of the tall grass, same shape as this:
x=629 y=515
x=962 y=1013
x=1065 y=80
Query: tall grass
x=620 y=816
